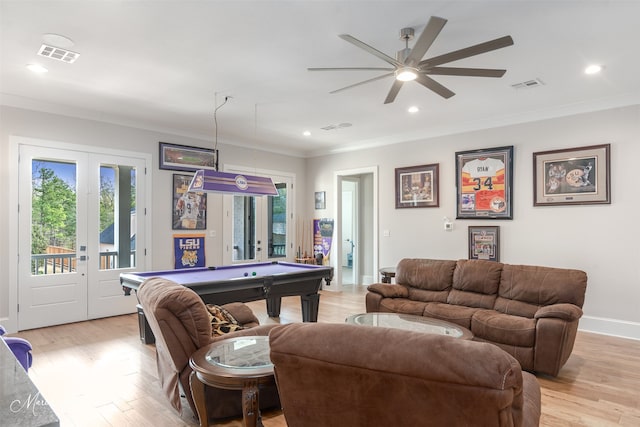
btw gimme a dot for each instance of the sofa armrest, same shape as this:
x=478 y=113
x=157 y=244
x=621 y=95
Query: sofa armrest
x=389 y=290
x=568 y=312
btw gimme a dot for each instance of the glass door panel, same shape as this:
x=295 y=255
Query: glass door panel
x=245 y=245
x=117 y=231
x=53 y=217
x=277 y=222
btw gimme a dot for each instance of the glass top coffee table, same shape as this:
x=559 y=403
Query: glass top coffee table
x=410 y=322
x=240 y=363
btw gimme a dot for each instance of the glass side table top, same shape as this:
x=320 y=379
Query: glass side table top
x=248 y=352
x=410 y=322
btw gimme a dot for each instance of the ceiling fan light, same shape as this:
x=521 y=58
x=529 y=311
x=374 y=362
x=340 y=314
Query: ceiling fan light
x=406 y=74
x=593 y=69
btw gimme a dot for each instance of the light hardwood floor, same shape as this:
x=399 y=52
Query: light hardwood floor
x=98 y=373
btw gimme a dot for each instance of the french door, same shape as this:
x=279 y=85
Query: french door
x=78 y=229
x=258 y=228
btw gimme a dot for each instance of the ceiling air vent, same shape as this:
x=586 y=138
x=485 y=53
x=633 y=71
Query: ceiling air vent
x=58 y=53
x=528 y=84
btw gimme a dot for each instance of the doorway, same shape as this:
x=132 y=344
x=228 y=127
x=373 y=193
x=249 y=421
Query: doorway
x=259 y=228
x=350 y=231
x=356 y=256
x=78 y=228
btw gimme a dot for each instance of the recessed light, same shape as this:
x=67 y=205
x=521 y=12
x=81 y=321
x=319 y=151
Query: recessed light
x=593 y=69
x=306 y=133
x=36 y=68
x=413 y=109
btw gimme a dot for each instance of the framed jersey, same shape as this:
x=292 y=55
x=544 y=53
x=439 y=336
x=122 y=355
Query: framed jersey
x=189 y=207
x=484 y=182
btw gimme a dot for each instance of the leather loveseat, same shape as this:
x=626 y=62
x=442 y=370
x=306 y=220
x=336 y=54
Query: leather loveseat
x=362 y=376
x=531 y=312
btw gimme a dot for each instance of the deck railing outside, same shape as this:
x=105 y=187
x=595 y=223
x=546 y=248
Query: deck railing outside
x=66 y=262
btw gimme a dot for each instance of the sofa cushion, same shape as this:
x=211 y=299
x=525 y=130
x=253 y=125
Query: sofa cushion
x=402 y=305
x=479 y=276
x=427 y=296
x=525 y=288
x=457 y=314
x=504 y=328
x=428 y=274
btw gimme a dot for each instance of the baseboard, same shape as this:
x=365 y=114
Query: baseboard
x=613 y=327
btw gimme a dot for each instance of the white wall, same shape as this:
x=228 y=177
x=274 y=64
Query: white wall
x=19 y=122
x=603 y=240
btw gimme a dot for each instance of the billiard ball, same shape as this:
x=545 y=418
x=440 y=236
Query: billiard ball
x=246 y=274
x=254 y=273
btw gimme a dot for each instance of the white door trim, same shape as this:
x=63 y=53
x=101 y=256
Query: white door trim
x=337 y=214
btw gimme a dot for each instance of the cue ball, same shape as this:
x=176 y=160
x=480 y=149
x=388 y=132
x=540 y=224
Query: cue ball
x=253 y=274
x=246 y=274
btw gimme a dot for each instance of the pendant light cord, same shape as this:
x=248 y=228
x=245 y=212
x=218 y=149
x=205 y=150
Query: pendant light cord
x=215 y=122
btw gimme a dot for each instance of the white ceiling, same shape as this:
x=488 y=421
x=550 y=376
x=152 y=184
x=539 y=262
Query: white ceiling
x=166 y=65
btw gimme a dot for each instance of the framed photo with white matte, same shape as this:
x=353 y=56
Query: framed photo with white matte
x=574 y=176
x=417 y=186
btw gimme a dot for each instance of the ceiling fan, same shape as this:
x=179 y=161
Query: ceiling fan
x=409 y=64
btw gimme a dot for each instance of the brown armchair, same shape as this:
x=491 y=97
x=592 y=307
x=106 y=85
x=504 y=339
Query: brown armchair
x=180 y=322
x=357 y=376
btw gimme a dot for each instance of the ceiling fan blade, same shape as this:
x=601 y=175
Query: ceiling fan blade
x=362 y=82
x=426 y=39
x=429 y=83
x=371 y=50
x=351 y=69
x=393 y=92
x=467 y=52
x=470 y=72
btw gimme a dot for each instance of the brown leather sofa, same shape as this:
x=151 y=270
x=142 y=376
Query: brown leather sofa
x=530 y=312
x=362 y=376
x=180 y=322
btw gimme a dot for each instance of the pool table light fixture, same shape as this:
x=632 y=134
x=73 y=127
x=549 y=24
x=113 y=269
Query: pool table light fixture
x=236 y=183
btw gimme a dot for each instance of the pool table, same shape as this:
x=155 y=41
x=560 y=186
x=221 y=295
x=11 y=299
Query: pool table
x=247 y=282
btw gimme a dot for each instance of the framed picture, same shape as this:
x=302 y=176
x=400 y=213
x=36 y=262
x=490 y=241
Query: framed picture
x=484 y=243
x=320 y=200
x=189 y=208
x=417 y=187
x=575 y=176
x=185 y=158
x=484 y=182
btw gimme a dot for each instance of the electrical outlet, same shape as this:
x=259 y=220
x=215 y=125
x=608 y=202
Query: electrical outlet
x=448 y=226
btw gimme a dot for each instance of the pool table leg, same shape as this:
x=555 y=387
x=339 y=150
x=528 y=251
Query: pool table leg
x=310 y=305
x=273 y=306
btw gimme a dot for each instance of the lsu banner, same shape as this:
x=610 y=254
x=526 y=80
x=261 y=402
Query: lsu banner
x=322 y=237
x=188 y=250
